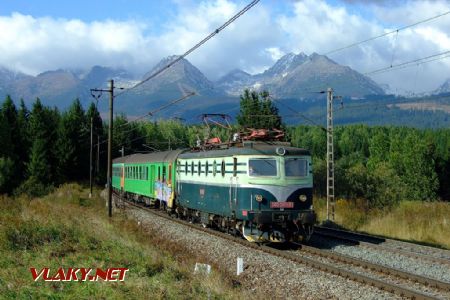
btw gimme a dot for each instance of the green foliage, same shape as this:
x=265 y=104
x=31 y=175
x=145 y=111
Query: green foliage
x=73 y=143
x=6 y=174
x=383 y=165
x=258 y=111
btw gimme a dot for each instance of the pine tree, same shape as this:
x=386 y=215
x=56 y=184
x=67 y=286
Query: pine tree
x=258 y=111
x=23 y=138
x=73 y=144
x=42 y=124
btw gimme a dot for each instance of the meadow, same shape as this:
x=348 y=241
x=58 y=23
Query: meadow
x=417 y=221
x=67 y=229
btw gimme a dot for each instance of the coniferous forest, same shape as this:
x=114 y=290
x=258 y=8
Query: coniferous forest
x=43 y=147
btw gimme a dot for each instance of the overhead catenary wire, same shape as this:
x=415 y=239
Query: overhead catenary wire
x=215 y=32
x=387 y=33
x=151 y=113
x=411 y=63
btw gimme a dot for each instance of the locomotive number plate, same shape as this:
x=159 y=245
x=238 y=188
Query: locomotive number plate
x=281 y=204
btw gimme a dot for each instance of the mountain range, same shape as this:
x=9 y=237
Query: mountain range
x=299 y=77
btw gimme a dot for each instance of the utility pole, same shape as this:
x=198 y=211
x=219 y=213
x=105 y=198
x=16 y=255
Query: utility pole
x=90 y=157
x=110 y=136
x=330 y=157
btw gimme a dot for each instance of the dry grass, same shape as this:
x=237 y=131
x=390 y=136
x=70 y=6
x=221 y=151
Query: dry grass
x=66 y=229
x=421 y=222
x=424 y=222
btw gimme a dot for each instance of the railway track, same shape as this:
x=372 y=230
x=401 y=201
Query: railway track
x=425 y=253
x=384 y=285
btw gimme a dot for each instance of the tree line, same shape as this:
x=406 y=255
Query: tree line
x=43 y=147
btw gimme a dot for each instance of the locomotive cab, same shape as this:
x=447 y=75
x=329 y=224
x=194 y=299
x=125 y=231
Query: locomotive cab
x=276 y=206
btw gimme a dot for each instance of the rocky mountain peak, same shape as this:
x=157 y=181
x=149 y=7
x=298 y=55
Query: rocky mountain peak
x=285 y=64
x=444 y=88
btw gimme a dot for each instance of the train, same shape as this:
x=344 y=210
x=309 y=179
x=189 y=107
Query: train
x=258 y=190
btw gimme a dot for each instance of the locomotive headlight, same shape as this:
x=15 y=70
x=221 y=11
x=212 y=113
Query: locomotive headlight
x=302 y=198
x=259 y=198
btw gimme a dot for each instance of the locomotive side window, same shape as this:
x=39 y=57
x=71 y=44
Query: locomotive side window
x=185 y=168
x=262 y=167
x=192 y=168
x=214 y=168
x=295 y=167
x=199 y=165
x=206 y=168
x=234 y=166
x=223 y=168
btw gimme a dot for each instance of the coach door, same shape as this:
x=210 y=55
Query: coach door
x=234 y=180
x=122 y=177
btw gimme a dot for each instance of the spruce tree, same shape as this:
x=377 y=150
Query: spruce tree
x=73 y=144
x=258 y=111
x=40 y=167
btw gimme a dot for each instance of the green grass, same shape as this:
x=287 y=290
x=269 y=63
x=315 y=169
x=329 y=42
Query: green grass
x=66 y=229
x=420 y=222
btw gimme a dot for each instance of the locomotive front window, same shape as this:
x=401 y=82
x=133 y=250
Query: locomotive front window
x=262 y=167
x=295 y=167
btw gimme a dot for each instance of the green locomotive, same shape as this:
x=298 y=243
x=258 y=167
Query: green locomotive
x=258 y=190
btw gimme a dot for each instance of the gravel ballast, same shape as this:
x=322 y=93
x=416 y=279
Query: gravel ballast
x=263 y=273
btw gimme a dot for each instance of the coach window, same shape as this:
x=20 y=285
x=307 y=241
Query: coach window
x=192 y=168
x=234 y=166
x=214 y=168
x=170 y=174
x=223 y=168
x=206 y=168
x=164 y=175
x=199 y=166
x=159 y=173
x=185 y=168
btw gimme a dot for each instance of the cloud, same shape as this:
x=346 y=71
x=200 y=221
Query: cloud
x=316 y=26
x=253 y=42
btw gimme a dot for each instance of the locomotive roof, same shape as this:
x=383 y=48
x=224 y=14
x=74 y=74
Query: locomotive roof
x=247 y=149
x=163 y=156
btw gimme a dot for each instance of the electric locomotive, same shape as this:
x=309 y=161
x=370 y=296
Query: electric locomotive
x=262 y=191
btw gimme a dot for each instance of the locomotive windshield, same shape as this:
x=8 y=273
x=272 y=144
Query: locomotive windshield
x=262 y=167
x=295 y=167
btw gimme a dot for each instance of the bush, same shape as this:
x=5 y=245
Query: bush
x=33 y=188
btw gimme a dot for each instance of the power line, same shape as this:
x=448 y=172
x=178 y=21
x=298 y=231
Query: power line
x=387 y=33
x=151 y=113
x=418 y=61
x=215 y=32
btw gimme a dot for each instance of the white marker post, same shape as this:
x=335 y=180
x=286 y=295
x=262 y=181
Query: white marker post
x=240 y=265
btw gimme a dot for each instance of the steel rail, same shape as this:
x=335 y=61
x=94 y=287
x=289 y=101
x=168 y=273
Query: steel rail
x=411 y=254
x=382 y=285
x=377 y=242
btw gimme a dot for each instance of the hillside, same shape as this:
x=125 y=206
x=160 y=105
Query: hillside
x=50 y=232
x=295 y=79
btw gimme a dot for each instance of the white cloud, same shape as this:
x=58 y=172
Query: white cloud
x=320 y=27
x=253 y=42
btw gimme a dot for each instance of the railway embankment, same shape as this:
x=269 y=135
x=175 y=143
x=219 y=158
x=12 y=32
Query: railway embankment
x=420 y=222
x=66 y=230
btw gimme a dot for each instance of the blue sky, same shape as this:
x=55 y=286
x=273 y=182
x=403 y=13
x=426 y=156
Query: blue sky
x=40 y=35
